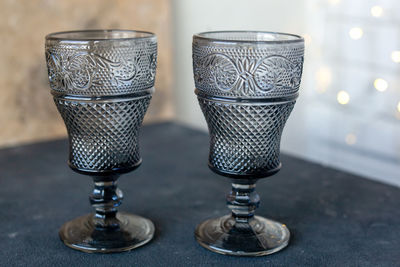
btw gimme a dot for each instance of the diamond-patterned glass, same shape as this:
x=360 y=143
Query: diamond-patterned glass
x=103 y=135
x=245 y=139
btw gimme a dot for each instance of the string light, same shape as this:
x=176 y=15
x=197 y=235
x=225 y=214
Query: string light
x=351 y=139
x=343 y=97
x=380 y=85
x=356 y=33
x=398 y=106
x=396 y=56
x=376 y=11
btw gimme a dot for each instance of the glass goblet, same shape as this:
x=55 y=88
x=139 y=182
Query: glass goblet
x=102 y=82
x=247 y=84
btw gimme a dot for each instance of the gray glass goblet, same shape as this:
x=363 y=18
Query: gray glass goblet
x=102 y=82
x=247 y=84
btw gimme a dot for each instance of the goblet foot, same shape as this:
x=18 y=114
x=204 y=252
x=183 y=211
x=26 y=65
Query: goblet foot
x=82 y=234
x=256 y=237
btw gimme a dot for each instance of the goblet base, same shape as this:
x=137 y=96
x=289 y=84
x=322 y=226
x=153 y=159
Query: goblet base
x=82 y=234
x=256 y=237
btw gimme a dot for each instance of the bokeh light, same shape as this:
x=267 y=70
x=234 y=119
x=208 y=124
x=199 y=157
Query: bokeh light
x=307 y=39
x=396 y=56
x=376 y=11
x=380 y=85
x=334 y=2
x=351 y=139
x=324 y=78
x=343 y=97
x=356 y=33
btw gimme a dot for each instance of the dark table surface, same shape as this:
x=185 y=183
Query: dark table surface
x=335 y=218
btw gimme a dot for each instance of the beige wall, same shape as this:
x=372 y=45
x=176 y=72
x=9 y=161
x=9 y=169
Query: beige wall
x=27 y=112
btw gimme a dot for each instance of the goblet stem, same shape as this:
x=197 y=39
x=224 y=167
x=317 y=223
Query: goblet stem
x=243 y=200
x=242 y=233
x=106 y=230
x=105 y=199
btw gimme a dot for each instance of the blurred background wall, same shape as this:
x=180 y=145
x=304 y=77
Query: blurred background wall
x=27 y=111
x=348 y=113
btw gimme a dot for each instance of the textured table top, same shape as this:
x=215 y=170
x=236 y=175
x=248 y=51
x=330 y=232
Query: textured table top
x=335 y=218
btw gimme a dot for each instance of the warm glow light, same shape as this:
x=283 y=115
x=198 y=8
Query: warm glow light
x=334 y=2
x=381 y=85
x=356 y=33
x=324 y=78
x=307 y=39
x=398 y=106
x=396 y=56
x=343 y=97
x=376 y=11
x=351 y=139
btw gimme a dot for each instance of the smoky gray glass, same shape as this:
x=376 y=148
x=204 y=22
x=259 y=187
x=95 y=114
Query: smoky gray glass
x=247 y=84
x=102 y=82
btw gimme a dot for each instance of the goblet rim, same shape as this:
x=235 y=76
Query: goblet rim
x=283 y=38
x=101 y=35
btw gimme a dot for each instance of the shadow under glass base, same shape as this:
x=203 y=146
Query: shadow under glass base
x=257 y=237
x=81 y=234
